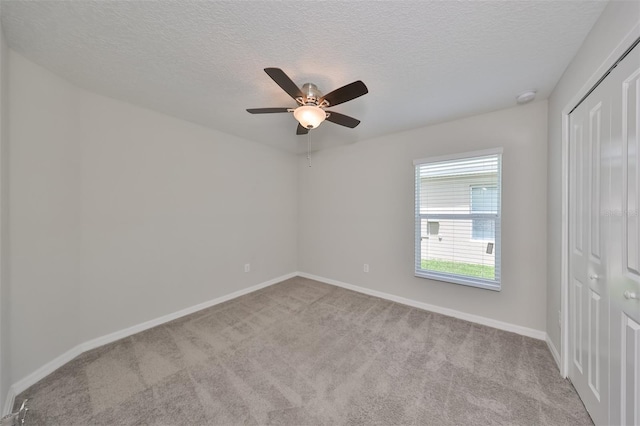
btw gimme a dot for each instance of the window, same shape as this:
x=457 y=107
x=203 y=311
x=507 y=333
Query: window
x=458 y=218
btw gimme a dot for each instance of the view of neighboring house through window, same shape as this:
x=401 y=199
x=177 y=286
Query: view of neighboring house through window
x=484 y=199
x=458 y=202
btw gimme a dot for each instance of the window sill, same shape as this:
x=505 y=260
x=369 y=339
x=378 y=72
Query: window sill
x=459 y=279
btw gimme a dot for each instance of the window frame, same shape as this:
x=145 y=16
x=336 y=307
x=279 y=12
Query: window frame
x=496 y=283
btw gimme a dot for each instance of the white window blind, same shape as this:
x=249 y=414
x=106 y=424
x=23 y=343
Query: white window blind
x=458 y=200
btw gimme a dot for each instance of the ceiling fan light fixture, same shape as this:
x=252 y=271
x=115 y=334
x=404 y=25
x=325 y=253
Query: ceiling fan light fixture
x=309 y=116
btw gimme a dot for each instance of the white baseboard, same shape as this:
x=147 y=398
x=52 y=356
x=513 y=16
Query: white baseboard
x=524 y=331
x=554 y=351
x=59 y=361
x=8 y=402
x=42 y=372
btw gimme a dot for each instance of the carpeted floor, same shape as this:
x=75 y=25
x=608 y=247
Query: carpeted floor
x=306 y=353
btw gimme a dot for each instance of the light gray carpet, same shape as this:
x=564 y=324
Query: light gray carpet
x=304 y=353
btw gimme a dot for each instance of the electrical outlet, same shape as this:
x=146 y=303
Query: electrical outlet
x=365 y=268
x=247 y=267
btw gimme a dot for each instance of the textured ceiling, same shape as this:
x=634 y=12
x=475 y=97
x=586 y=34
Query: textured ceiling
x=424 y=62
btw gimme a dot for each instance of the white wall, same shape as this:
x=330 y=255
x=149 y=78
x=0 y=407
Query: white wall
x=121 y=215
x=356 y=206
x=616 y=22
x=5 y=305
x=172 y=211
x=44 y=208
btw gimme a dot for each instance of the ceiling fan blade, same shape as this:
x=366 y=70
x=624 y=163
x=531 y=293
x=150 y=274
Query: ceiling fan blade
x=266 y=110
x=346 y=93
x=343 y=120
x=301 y=130
x=284 y=82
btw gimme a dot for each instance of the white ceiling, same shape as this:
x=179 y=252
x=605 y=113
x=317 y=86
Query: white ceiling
x=423 y=62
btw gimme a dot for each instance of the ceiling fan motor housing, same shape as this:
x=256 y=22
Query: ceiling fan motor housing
x=311 y=94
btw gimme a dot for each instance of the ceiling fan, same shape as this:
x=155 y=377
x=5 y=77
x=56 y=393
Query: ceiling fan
x=311 y=111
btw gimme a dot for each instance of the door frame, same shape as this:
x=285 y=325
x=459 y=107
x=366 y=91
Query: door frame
x=615 y=54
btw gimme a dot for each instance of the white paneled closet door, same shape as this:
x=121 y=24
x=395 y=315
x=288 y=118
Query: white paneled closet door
x=624 y=242
x=589 y=171
x=604 y=244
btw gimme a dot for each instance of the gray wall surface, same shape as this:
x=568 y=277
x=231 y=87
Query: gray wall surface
x=122 y=215
x=356 y=206
x=5 y=301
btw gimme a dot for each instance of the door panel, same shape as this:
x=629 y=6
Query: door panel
x=595 y=358
x=595 y=138
x=630 y=372
x=577 y=175
x=578 y=321
x=630 y=175
x=589 y=182
x=624 y=243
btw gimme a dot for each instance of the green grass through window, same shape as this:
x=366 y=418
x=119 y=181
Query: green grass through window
x=460 y=268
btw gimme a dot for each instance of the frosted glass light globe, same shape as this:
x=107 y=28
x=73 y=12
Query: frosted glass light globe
x=309 y=116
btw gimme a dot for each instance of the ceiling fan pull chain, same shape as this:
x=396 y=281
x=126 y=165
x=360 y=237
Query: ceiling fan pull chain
x=309 y=148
